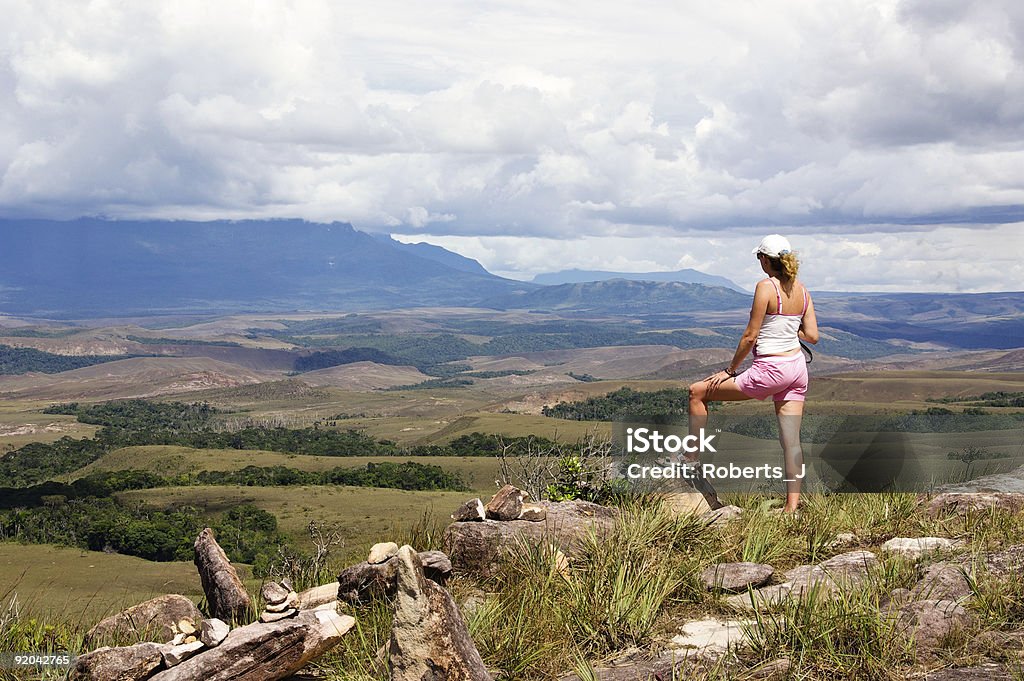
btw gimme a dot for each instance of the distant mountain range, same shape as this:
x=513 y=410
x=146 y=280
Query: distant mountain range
x=687 y=276
x=92 y=268
x=621 y=296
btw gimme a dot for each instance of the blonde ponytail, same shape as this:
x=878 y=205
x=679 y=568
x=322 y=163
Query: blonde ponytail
x=789 y=265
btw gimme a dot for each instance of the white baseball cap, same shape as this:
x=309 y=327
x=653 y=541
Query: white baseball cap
x=773 y=245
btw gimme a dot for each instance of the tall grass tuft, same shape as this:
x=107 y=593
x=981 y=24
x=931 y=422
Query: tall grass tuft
x=841 y=635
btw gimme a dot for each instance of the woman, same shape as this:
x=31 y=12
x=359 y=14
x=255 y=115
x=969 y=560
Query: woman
x=782 y=315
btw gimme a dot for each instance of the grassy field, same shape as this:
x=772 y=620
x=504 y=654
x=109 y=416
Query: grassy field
x=478 y=471
x=365 y=516
x=53 y=581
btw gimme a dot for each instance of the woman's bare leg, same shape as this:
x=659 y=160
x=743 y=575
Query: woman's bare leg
x=700 y=394
x=790 y=414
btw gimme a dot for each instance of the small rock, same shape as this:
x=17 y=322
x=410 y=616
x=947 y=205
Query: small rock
x=318 y=595
x=759 y=600
x=776 y=669
x=278 y=616
x=736 y=577
x=178 y=654
x=899 y=596
x=382 y=552
x=186 y=626
x=469 y=511
x=290 y=602
x=686 y=503
x=507 y=504
x=213 y=631
x=129 y=663
x=436 y=565
x=533 y=512
x=562 y=564
x=844 y=539
x=177 y=640
x=710 y=635
x=274 y=593
x=916 y=547
x=719 y=517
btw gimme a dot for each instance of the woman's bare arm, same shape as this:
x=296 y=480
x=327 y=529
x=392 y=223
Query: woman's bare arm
x=809 y=325
x=762 y=294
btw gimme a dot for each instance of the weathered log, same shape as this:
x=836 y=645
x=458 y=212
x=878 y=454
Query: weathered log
x=429 y=639
x=265 y=652
x=227 y=598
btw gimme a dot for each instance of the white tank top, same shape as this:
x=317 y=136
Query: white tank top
x=778 y=332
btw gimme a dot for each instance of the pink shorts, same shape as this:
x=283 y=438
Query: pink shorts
x=784 y=377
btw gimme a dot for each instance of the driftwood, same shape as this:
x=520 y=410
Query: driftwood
x=265 y=652
x=225 y=594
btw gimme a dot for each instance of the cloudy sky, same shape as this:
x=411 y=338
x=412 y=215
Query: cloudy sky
x=885 y=138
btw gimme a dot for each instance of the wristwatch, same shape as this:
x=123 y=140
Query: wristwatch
x=734 y=374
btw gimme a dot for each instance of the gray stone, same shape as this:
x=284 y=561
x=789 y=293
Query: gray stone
x=131 y=663
x=155 y=619
x=278 y=616
x=720 y=517
x=318 y=595
x=931 y=621
x=175 y=655
x=436 y=565
x=225 y=594
x=533 y=512
x=918 y=546
x=429 y=638
x=736 y=577
x=213 y=631
x=274 y=593
x=961 y=502
x=470 y=511
x=381 y=552
x=365 y=582
x=710 y=637
x=479 y=548
x=984 y=672
x=506 y=504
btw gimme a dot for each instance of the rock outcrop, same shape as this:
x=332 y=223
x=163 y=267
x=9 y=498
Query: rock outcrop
x=365 y=582
x=129 y=663
x=156 y=619
x=429 y=639
x=267 y=652
x=478 y=547
x=227 y=598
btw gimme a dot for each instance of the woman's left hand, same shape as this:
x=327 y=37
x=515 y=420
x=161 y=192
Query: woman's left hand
x=716 y=379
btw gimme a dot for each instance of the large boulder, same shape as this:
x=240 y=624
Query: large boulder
x=131 y=663
x=365 y=582
x=478 y=547
x=429 y=638
x=155 y=620
x=225 y=593
x=960 y=502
